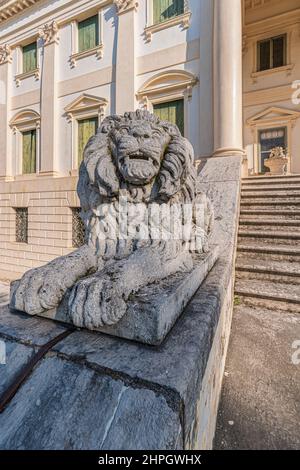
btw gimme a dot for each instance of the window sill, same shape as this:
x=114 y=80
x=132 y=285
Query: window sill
x=97 y=51
x=26 y=177
x=285 y=68
x=22 y=76
x=184 y=20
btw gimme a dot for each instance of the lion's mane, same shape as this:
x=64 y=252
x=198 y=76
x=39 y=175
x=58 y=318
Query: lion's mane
x=100 y=181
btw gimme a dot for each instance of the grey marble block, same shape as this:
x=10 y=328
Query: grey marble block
x=152 y=312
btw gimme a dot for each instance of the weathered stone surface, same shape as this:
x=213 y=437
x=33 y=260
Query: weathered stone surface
x=26 y=329
x=220 y=178
x=144 y=216
x=67 y=406
x=16 y=356
x=153 y=310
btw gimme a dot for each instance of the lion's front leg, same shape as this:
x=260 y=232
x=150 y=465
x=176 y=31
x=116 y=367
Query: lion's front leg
x=43 y=288
x=102 y=298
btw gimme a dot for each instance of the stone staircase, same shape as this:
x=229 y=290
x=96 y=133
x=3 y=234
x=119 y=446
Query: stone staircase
x=268 y=257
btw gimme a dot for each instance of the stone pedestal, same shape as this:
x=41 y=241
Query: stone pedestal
x=153 y=311
x=278 y=166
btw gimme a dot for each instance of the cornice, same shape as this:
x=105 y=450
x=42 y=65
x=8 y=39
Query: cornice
x=10 y=8
x=289 y=19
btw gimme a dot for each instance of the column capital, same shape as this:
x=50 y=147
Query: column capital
x=125 y=5
x=49 y=33
x=5 y=54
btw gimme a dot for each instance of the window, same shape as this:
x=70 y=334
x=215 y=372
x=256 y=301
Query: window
x=88 y=34
x=29 y=57
x=21 y=225
x=86 y=129
x=172 y=111
x=272 y=53
x=269 y=139
x=166 y=9
x=29 y=152
x=78 y=229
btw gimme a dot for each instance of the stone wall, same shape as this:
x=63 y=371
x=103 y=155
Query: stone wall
x=49 y=204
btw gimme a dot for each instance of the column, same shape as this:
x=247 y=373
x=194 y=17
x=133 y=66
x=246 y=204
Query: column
x=228 y=98
x=49 y=162
x=5 y=92
x=126 y=57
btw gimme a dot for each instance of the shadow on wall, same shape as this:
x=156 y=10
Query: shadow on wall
x=204 y=105
x=109 y=14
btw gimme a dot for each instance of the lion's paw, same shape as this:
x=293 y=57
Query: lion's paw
x=97 y=301
x=39 y=289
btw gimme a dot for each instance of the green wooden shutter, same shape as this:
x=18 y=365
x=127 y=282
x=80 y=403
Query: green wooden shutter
x=86 y=129
x=29 y=57
x=29 y=152
x=166 y=9
x=172 y=111
x=88 y=34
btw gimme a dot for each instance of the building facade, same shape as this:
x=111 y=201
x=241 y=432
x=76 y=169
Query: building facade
x=225 y=71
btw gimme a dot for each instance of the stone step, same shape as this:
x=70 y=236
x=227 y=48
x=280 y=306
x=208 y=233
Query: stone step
x=268 y=294
x=274 y=229
x=268 y=252
x=272 y=204
x=270 y=194
x=277 y=271
x=290 y=179
x=269 y=236
x=271 y=187
x=269 y=214
x=269 y=222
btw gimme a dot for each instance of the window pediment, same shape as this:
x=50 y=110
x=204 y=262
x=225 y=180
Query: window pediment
x=86 y=105
x=272 y=115
x=172 y=82
x=26 y=119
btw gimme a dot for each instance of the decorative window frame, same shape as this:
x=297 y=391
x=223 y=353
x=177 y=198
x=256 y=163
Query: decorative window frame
x=25 y=120
x=272 y=118
x=184 y=20
x=84 y=107
x=288 y=68
x=170 y=85
x=20 y=76
x=95 y=51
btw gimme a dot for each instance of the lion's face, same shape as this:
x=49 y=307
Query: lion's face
x=138 y=148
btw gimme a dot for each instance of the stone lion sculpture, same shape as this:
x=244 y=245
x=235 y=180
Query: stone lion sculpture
x=142 y=160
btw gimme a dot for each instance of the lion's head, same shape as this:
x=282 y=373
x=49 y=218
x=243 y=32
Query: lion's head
x=136 y=150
